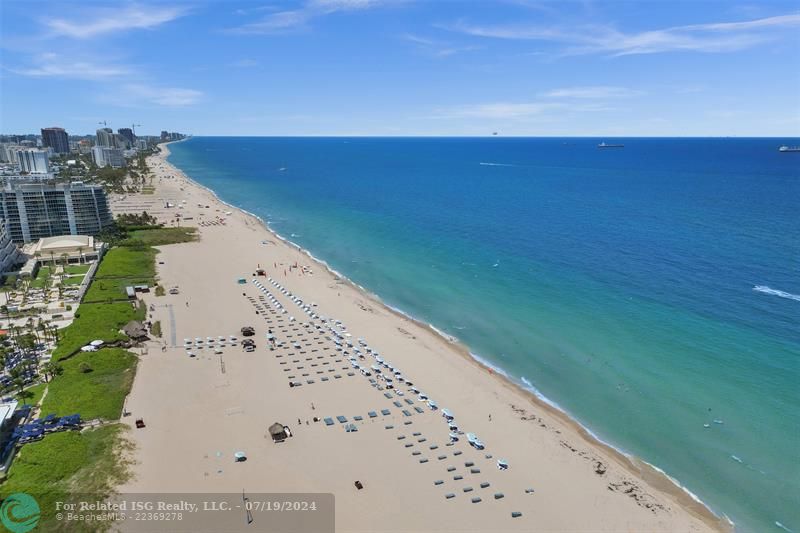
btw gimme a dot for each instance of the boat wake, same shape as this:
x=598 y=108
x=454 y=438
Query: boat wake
x=497 y=164
x=776 y=292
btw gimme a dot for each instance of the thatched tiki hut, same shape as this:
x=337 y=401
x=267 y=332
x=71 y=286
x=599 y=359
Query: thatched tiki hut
x=279 y=432
x=135 y=331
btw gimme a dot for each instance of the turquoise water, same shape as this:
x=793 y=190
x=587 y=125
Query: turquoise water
x=620 y=283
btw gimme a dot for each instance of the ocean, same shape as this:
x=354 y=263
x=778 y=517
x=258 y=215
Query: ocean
x=648 y=291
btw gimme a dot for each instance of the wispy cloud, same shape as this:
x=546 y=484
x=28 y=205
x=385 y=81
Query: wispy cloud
x=437 y=48
x=283 y=21
x=537 y=108
x=600 y=91
x=713 y=37
x=54 y=66
x=138 y=94
x=114 y=20
x=499 y=110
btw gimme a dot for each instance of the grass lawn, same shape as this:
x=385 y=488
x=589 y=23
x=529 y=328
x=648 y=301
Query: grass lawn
x=96 y=394
x=36 y=390
x=121 y=267
x=96 y=321
x=41 y=276
x=161 y=236
x=124 y=262
x=77 y=269
x=75 y=280
x=66 y=465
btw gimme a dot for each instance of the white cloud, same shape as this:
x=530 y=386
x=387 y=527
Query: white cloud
x=714 y=37
x=499 y=110
x=54 y=66
x=161 y=96
x=437 y=48
x=283 y=21
x=601 y=91
x=114 y=20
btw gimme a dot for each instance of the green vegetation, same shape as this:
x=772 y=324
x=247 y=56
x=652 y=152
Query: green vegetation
x=160 y=290
x=33 y=396
x=121 y=267
x=135 y=219
x=96 y=393
x=162 y=236
x=77 y=269
x=155 y=329
x=42 y=275
x=75 y=280
x=96 y=321
x=65 y=465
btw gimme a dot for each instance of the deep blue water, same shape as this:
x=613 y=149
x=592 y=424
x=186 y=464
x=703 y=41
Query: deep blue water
x=617 y=282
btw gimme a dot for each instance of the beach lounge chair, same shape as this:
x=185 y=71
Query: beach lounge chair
x=406 y=413
x=397 y=404
x=328 y=421
x=341 y=419
x=389 y=395
x=372 y=414
x=418 y=409
x=385 y=412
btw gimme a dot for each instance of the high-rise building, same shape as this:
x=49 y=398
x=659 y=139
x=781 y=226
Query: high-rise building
x=33 y=161
x=108 y=157
x=127 y=134
x=10 y=256
x=36 y=210
x=105 y=137
x=164 y=135
x=57 y=139
x=8 y=153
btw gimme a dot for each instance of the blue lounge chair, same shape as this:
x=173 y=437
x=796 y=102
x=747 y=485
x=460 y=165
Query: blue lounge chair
x=341 y=419
x=372 y=414
x=328 y=421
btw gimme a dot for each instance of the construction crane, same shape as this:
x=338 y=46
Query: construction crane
x=133 y=128
x=104 y=123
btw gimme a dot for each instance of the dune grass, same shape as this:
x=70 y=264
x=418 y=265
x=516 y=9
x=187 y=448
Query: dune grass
x=96 y=321
x=65 y=465
x=98 y=393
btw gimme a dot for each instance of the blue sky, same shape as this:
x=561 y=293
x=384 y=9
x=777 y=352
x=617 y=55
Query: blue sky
x=403 y=67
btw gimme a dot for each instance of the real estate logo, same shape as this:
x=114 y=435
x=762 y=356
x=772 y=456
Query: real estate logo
x=20 y=512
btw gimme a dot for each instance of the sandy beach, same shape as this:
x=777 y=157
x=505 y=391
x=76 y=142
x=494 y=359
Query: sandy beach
x=200 y=410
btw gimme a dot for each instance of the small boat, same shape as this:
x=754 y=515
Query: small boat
x=608 y=145
x=789 y=149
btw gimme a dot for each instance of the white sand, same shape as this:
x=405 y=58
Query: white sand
x=197 y=416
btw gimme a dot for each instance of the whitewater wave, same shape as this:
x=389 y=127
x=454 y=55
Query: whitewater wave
x=783 y=527
x=496 y=164
x=776 y=292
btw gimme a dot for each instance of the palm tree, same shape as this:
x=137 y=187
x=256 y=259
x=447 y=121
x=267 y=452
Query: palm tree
x=65 y=259
x=80 y=255
x=52 y=369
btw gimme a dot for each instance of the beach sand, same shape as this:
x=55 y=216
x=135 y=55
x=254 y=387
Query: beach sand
x=201 y=410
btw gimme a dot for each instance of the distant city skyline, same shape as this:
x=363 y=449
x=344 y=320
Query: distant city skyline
x=403 y=67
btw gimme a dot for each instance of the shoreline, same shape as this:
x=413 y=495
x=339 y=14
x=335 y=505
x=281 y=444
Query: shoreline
x=652 y=475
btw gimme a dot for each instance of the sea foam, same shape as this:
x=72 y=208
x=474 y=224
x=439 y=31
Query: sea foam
x=776 y=292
